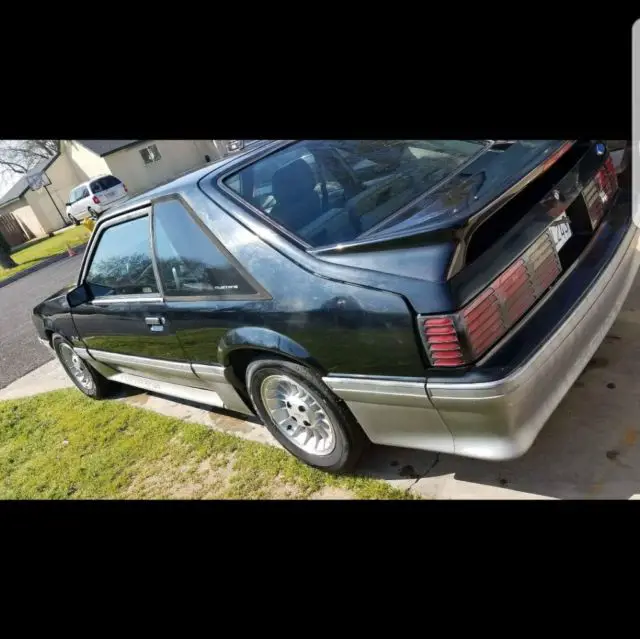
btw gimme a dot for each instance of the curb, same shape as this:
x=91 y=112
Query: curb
x=50 y=260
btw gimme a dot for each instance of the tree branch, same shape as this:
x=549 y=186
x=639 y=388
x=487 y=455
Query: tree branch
x=14 y=166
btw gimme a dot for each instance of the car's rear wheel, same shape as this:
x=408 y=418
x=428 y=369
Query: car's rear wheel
x=74 y=221
x=304 y=415
x=86 y=379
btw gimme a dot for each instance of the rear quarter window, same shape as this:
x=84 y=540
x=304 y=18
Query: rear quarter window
x=190 y=262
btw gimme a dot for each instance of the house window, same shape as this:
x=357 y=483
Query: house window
x=150 y=154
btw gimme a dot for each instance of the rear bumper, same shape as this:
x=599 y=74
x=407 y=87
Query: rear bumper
x=501 y=419
x=103 y=208
x=498 y=419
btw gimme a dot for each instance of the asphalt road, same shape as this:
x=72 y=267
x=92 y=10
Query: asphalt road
x=20 y=351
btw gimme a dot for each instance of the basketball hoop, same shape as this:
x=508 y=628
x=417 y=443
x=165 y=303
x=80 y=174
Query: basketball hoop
x=38 y=180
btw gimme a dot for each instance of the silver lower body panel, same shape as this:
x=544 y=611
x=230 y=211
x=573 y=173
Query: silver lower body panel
x=394 y=413
x=201 y=384
x=495 y=420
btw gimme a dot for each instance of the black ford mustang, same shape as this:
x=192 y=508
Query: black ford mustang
x=431 y=294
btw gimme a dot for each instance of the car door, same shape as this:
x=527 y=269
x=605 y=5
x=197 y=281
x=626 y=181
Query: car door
x=206 y=291
x=125 y=324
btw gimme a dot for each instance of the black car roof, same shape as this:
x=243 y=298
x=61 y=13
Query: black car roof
x=193 y=177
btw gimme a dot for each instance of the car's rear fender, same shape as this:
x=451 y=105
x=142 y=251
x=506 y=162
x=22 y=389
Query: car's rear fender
x=265 y=340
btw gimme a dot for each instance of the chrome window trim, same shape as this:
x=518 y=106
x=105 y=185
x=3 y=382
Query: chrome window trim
x=127 y=299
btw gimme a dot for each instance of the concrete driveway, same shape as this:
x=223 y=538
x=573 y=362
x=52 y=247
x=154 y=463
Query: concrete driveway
x=589 y=449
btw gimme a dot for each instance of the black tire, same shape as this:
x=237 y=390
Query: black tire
x=350 y=441
x=100 y=388
x=74 y=221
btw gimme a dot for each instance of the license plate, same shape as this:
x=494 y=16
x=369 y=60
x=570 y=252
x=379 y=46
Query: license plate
x=561 y=231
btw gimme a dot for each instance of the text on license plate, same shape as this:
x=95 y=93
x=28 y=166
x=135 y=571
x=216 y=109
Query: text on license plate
x=560 y=231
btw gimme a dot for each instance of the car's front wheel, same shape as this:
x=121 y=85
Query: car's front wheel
x=304 y=415
x=88 y=380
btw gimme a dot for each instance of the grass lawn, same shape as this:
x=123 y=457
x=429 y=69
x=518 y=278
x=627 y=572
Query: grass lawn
x=62 y=445
x=31 y=255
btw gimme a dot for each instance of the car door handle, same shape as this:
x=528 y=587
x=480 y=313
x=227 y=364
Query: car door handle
x=154 y=321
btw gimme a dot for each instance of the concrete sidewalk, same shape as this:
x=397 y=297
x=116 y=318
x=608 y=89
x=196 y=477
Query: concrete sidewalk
x=405 y=469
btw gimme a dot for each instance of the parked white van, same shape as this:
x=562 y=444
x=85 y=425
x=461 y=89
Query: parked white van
x=99 y=194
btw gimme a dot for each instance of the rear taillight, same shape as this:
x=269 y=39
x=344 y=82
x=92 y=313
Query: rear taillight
x=96 y=200
x=462 y=338
x=442 y=341
x=600 y=191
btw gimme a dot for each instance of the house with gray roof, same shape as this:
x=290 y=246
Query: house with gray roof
x=140 y=164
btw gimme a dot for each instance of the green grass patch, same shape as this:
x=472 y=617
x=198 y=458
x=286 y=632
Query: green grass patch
x=31 y=255
x=62 y=445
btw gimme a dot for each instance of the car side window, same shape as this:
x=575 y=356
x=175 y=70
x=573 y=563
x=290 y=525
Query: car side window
x=189 y=261
x=122 y=262
x=73 y=196
x=85 y=193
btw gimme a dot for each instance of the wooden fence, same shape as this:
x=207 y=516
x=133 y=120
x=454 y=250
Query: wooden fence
x=12 y=231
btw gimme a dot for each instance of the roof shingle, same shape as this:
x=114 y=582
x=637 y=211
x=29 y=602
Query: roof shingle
x=104 y=147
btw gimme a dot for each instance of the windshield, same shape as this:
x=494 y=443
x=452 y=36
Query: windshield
x=331 y=191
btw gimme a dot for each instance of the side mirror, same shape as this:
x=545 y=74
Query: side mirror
x=78 y=296
x=67 y=203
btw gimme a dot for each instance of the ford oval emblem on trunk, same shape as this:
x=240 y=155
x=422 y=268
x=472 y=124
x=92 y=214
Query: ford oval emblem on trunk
x=600 y=149
x=556 y=194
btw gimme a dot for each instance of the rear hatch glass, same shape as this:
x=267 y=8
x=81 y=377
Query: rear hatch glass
x=330 y=191
x=104 y=184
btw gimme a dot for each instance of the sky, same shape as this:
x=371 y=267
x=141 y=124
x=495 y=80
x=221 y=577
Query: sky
x=8 y=179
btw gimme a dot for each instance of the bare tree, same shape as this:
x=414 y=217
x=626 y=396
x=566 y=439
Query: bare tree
x=20 y=156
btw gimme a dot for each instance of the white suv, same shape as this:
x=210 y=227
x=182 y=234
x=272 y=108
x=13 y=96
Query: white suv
x=98 y=194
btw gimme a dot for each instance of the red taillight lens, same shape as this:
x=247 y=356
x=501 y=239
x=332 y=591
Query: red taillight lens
x=96 y=199
x=460 y=339
x=442 y=342
x=600 y=191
